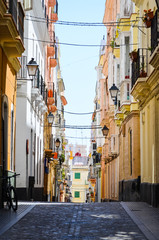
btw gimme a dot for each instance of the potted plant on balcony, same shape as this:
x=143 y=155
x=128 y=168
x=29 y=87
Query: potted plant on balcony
x=112 y=43
x=133 y=55
x=142 y=71
x=148 y=16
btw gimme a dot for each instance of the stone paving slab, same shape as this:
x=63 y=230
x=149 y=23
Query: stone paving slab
x=8 y=217
x=145 y=216
x=75 y=221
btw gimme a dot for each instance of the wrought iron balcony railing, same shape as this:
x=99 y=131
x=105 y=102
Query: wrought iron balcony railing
x=155 y=31
x=39 y=83
x=140 y=66
x=21 y=21
x=16 y=10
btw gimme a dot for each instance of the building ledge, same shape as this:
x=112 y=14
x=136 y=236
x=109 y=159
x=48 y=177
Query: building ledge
x=124 y=27
x=119 y=115
x=125 y=108
x=10 y=40
x=140 y=89
x=154 y=58
x=34 y=93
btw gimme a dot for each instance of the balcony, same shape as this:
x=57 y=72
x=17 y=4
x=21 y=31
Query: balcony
x=16 y=10
x=140 y=66
x=39 y=87
x=114 y=146
x=11 y=32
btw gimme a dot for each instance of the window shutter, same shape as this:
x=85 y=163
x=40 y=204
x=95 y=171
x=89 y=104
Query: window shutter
x=28 y=5
x=77 y=194
x=77 y=175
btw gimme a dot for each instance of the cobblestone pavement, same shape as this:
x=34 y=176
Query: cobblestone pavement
x=75 y=221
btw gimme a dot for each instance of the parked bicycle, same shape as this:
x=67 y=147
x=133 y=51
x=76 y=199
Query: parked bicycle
x=10 y=196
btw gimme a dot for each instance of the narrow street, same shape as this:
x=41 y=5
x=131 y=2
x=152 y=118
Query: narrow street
x=75 y=221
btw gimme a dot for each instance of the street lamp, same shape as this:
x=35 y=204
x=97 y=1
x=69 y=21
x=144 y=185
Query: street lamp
x=113 y=92
x=32 y=67
x=50 y=118
x=105 y=131
x=57 y=143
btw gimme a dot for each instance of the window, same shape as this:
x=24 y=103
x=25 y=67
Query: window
x=128 y=91
x=77 y=194
x=27 y=5
x=127 y=58
x=23 y=71
x=77 y=175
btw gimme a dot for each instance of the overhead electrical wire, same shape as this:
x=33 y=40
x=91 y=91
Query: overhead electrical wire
x=84 y=24
x=75 y=113
x=89 y=138
x=76 y=44
x=76 y=126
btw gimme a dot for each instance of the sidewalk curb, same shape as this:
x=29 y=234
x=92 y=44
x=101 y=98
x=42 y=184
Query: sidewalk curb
x=147 y=233
x=16 y=219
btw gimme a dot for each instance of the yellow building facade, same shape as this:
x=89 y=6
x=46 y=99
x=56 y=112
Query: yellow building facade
x=11 y=47
x=146 y=92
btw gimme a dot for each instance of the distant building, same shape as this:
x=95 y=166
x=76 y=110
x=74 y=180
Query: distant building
x=80 y=185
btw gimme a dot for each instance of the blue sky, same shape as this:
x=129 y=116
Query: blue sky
x=78 y=63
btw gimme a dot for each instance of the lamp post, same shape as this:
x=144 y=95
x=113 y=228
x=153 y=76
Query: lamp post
x=113 y=92
x=32 y=67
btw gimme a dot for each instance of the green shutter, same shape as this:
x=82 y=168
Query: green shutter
x=77 y=194
x=77 y=175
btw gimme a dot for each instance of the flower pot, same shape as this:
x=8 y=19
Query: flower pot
x=148 y=24
x=143 y=74
x=148 y=18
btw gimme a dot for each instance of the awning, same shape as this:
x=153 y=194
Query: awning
x=52 y=108
x=50 y=153
x=64 y=101
x=50 y=100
